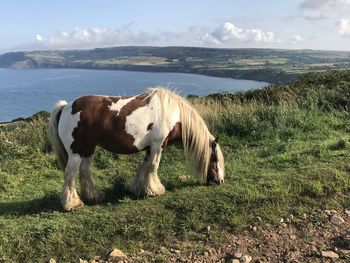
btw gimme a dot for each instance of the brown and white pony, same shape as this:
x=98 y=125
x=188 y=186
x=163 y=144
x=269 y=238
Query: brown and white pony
x=147 y=122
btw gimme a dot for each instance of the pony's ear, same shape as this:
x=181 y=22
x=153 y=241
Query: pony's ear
x=213 y=144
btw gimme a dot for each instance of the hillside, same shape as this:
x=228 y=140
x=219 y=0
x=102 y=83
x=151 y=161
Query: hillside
x=287 y=154
x=267 y=65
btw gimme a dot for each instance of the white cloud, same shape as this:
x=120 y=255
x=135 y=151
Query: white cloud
x=226 y=35
x=39 y=38
x=229 y=33
x=103 y=37
x=343 y=27
x=210 y=39
x=295 y=38
x=324 y=9
x=79 y=37
x=93 y=37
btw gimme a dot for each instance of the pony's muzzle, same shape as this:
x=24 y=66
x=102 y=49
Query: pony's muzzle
x=215 y=181
x=220 y=181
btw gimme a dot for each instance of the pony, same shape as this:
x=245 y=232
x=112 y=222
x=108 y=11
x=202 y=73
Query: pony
x=148 y=122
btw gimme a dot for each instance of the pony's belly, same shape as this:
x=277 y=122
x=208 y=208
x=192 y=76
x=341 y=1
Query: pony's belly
x=119 y=147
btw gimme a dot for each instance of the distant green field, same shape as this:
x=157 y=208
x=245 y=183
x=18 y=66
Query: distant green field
x=286 y=148
x=270 y=65
x=132 y=61
x=47 y=56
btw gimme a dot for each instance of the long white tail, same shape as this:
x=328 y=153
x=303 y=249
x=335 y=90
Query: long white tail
x=61 y=153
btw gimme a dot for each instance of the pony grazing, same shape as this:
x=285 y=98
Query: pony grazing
x=147 y=122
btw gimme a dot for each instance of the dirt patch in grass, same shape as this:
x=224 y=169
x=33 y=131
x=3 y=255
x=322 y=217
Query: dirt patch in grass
x=314 y=237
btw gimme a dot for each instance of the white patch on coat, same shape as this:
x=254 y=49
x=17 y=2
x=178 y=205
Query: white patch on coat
x=61 y=103
x=117 y=106
x=137 y=122
x=68 y=122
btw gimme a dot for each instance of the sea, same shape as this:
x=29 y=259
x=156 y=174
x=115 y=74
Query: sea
x=24 y=92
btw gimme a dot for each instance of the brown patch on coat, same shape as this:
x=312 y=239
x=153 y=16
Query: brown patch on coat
x=174 y=135
x=150 y=126
x=115 y=99
x=99 y=125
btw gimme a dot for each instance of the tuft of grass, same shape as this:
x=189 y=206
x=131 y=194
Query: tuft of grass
x=286 y=151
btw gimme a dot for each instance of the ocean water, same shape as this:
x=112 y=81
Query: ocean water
x=24 y=92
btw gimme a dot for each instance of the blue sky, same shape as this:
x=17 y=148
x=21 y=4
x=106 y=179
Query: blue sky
x=295 y=24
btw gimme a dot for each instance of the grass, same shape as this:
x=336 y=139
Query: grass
x=286 y=150
x=141 y=60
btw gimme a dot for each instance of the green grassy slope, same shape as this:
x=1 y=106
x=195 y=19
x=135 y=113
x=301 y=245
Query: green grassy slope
x=287 y=151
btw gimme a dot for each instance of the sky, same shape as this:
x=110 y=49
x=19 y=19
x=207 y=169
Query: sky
x=81 y=24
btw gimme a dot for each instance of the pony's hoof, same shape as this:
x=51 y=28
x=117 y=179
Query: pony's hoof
x=147 y=192
x=72 y=207
x=77 y=207
x=100 y=197
x=155 y=192
x=97 y=198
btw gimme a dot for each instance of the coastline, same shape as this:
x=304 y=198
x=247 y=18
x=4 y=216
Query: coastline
x=19 y=120
x=200 y=81
x=268 y=65
x=263 y=75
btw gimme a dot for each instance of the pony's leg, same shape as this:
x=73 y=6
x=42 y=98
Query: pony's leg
x=155 y=187
x=146 y=181
x=88 y=189
x=69 y=196
x=137 y=186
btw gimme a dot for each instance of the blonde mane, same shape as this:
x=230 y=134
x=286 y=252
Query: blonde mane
x=195 y=134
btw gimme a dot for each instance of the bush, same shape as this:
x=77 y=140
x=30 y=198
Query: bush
x=25 y=138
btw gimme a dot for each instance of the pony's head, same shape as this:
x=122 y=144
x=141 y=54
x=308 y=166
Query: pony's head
x=216 y=172
x=201 y=146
